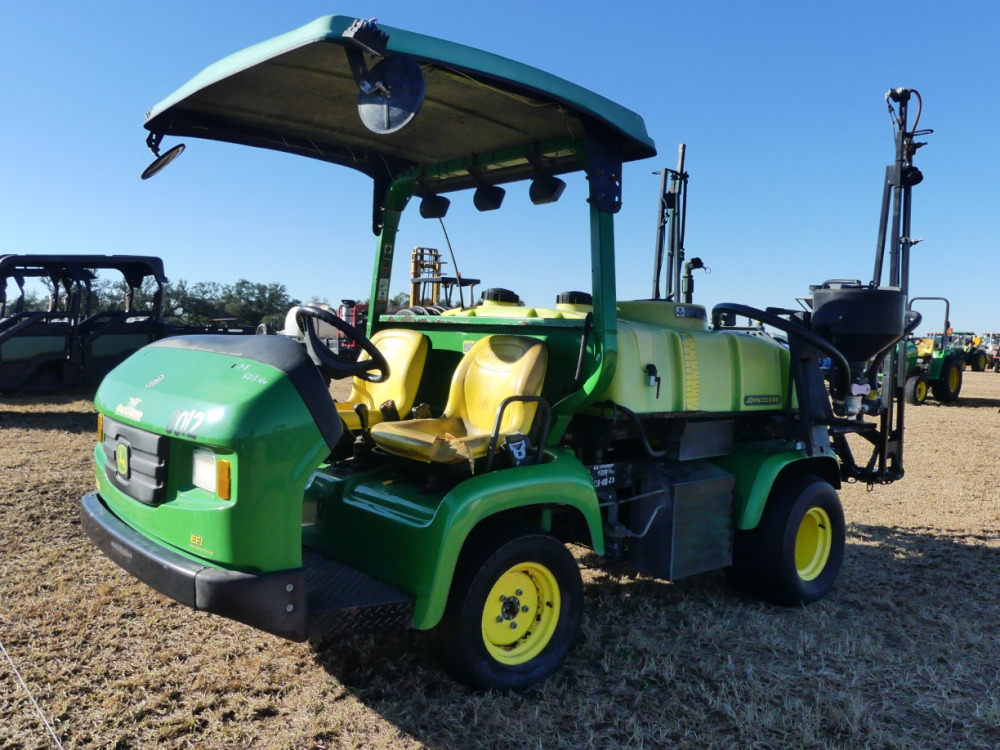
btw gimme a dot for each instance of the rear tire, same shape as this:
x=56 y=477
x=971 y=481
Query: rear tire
x=979 y=362
x=513 y=611
x=793 y=555
x=915 y=390
x=947 y=388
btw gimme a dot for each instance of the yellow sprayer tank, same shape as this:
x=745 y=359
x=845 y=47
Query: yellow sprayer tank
x=669 y=361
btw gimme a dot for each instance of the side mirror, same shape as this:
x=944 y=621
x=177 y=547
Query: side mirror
x=162 y=160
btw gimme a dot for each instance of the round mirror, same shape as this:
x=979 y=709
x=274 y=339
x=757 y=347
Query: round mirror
x=394 y=95
x=162 y=160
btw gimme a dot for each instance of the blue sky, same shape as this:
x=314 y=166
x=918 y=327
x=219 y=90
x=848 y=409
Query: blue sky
x=780 y=104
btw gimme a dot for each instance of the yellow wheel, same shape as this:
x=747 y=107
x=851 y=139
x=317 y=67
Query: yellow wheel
x=521 y=613
x=915 y=390
x=950 y=385
x=813 y=544
x=513 y=610
x=794 y=553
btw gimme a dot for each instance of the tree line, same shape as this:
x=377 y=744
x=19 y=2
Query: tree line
x=243 y=303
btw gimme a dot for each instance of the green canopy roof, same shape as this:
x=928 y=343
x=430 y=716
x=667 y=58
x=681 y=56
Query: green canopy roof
x=297 y=93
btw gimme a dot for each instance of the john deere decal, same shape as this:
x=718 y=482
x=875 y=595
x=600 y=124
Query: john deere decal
x=761 y=400
x=121 y=459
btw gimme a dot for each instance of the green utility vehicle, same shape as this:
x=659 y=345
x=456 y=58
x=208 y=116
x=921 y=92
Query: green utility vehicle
x=479 y=442
x=934 y=363
x=72 y=342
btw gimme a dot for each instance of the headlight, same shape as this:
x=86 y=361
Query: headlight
x=211 y=473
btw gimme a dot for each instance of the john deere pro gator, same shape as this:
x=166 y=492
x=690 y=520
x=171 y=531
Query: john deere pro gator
x=479 y=442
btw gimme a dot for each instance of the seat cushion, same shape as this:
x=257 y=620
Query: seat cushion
x=442 y=441
x=495 y=368
x=406 y=352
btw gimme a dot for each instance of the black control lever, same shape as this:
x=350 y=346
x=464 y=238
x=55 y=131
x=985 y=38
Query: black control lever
x=389 y=411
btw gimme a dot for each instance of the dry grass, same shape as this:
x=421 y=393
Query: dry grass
x=902 y=654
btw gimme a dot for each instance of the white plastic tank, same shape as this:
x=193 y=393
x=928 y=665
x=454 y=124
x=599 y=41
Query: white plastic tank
x=325 y=330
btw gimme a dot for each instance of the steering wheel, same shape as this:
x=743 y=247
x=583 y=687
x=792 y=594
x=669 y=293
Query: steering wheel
x=337 y=366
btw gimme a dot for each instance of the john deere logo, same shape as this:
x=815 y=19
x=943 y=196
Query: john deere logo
x=761 y=400
x=121 y=458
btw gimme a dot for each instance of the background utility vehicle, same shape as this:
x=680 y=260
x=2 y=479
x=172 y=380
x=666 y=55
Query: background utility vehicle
x=70 y=343
x=477 y=443
x=935 y=362
x=73 y=342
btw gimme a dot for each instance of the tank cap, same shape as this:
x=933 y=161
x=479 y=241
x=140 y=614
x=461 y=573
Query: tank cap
x=574 y=298
x=496 y=294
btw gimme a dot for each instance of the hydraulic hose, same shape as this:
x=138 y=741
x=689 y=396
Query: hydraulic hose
x=650 y=451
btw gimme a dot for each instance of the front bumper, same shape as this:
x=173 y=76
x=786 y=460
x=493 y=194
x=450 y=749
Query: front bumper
x=272 y=602
x=321 y=598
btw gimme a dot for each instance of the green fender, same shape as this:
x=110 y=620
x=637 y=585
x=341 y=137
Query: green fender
x=563 y=482
x=400 y=533
x=757 y=467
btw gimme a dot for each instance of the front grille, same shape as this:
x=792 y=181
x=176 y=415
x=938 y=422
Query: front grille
x=136 y=462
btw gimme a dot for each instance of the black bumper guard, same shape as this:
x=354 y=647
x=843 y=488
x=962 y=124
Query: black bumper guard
x=321 y=598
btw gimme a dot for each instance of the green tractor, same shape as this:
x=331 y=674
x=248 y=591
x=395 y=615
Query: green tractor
x=934 y=363
x=481 y=441
x=974 y=350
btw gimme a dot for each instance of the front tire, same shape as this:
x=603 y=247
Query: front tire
x=513 y=611
x=793 y=555
x=979 y=362
x=915 y=390
x=950 y=384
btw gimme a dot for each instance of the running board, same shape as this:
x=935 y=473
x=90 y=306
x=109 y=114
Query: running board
x=343 y=600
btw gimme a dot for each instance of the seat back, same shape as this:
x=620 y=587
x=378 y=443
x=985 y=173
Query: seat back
x=497 y=367
x=406 y=352
x=925 y=347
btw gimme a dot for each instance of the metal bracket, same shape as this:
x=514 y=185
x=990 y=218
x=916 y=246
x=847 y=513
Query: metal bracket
x=604 y=168
x=365 y=36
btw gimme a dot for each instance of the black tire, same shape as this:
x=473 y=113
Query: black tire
x=996 y=365
x=979 y=362
x=793 y=555
x=915 y=390
x=544 y=572
x=949 y=385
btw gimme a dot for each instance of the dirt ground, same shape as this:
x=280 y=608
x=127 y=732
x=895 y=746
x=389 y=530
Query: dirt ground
x=902 y=653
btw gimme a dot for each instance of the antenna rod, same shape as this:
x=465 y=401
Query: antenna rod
x=668 y=210
x=661 y=223
x=675 y=249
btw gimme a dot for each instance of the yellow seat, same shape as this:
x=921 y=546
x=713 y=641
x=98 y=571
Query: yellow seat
x=925 y=347
x=495 y=368
x=406 y=352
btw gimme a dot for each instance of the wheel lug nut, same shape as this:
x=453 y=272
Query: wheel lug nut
x=519 y=592
x=499 y=618
x=524 y=608
x=503 y=597
x=513 y=626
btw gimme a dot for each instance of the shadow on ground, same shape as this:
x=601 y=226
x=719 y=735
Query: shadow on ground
x=659 y=663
